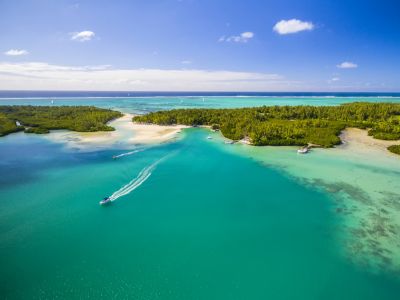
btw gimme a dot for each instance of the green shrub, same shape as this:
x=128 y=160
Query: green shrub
x=394 y=149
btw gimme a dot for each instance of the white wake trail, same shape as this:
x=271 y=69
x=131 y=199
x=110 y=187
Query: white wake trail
x=136 y=182
x=132 y=185
x=128 y=153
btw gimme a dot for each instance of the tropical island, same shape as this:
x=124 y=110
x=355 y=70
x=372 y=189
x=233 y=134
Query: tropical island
x=290 y=125
x=303 y=125
x=42 y=119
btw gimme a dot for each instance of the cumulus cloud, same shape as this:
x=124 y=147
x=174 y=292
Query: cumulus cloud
x=244 y=37
x=16 y=52
x=292 y=26
x=82 y=36
x=43 y=76
x=347 y=65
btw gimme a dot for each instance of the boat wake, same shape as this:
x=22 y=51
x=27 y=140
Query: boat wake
x=136 y=182
x=127 y=153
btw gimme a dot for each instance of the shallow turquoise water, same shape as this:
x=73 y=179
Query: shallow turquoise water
x=142 y=105
x=212 y=221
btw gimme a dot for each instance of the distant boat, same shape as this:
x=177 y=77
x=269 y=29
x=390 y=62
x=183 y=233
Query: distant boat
x=245 y=140
x=303 y=150
x=105 y=201
x=209 y=138
x=229 y=142
x=52 y=101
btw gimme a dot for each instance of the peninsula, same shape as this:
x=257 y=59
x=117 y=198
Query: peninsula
x=42 y=119
x=290 y=125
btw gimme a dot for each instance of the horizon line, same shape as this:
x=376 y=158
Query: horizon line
x=215 y=92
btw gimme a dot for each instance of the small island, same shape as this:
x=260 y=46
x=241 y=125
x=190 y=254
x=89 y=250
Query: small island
x=290 y=125
x=42 y=119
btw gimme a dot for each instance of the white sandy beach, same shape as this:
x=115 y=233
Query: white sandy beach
x=358 y=140
x=126 y=134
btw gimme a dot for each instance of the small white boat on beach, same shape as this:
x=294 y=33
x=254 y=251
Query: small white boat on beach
x=245 y=140
x=229 y=142
x=303 y=150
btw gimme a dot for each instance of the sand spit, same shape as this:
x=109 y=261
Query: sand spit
x=126 y=135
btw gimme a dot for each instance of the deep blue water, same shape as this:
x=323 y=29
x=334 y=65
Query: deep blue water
x=34 y=94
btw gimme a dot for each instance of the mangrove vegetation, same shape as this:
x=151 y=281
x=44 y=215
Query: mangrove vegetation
x=289 y=125
x=42 y=119
x=394 y=149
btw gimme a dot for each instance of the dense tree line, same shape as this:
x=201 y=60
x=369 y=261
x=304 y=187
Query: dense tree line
x=7 y=126
x=289 y=125
x=41 y=119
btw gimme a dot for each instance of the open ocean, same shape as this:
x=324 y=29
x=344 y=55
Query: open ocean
x=195 y=218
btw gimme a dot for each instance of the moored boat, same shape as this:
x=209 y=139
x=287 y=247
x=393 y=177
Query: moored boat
x=303 y=150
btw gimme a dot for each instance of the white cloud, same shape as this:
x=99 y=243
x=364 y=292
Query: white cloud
x=16 y=52
x=292 y=26
x=43 y=76
x=347 y=65
x=82 y=36
x=244 y=37
x=186 y=62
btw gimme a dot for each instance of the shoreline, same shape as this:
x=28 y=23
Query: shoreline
x=358 y=140
x=128 y=133
x=125 y=135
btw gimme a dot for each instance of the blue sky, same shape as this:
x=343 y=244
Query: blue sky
x=306 y=45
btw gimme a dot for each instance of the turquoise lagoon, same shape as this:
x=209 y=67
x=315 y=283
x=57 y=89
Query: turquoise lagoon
x=195 y=218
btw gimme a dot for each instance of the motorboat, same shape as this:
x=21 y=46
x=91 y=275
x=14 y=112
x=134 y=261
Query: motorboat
x=209 y=138
x=105 y=201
